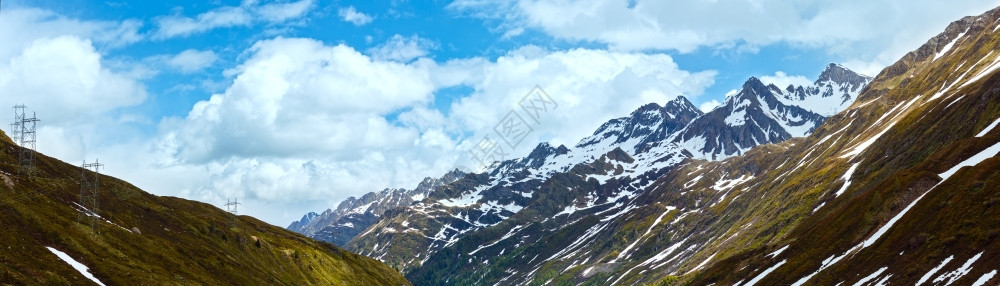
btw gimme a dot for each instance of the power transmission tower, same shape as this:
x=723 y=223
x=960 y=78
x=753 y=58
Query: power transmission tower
x=28 y=139
x=89 y=187
x=231 y=208
x=15 y=128
x=25 y=135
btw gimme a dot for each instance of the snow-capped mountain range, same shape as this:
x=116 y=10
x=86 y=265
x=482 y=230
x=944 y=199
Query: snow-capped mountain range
x=634 y=149
x=353 y=215
x=893 y=188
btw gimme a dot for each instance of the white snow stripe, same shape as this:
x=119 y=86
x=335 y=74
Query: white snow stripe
x=958 y=273
x=864 y=145
x=934 y=271
x=947 y=47
x=625 y=252
x=871 y=277
x=75 y=264
x=975 y=159
x=778 y=252
x=972 y=161
x=985 y=278
x=764 y=274
x=989 y=69
x=988 y=128
x=847 y=179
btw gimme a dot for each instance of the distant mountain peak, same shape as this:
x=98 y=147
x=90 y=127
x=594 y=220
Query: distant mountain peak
x=305 y=220
x=765 y=113
x=680 y=103
x=541 y=152
x=679 y=99
x=647 y=107
x=649 y=123
x=842 y=75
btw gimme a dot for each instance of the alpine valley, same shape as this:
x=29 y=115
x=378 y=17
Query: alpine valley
x=851 y=180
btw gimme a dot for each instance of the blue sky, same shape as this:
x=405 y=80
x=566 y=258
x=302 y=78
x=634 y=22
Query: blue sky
x=292 y=106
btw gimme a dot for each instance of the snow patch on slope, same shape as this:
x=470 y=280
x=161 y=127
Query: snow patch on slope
x=764 y=274
x=985 y=278
x=867 y=143
x=723 y=185
x=958 y=273
x=505 y=236
x=871 y=277
x=947 y=47
x=847 y=179
x=737 y=118
x=465 y=200
x=778 y=252
x=989 y=69
x=625 y=252
x=934 y=271
x=76 y=265
x=972 y=161
x=988 y=128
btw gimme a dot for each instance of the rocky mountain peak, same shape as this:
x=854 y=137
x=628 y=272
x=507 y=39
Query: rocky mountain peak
x=841 y=75
x=647 y=124
x=652 y=106
x=305 y=220
x=679 y=103
x=544 y=150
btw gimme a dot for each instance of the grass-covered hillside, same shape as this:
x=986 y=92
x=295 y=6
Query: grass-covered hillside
x=178 y=241
x=907 y=191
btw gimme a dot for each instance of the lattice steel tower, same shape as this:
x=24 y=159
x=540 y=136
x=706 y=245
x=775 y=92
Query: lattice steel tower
x=24 y=133
x=15 y=128
x=231 y=208
x=89 y=187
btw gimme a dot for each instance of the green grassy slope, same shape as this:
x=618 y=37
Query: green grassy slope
x=957 y=217
x=181 y=241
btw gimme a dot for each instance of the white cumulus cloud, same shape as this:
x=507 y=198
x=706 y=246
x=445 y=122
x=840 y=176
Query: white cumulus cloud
x=247 y=14
x=22 y=26
x=709 y=105
x=403 y=49
x=782 y=80
x=300 y=96
x=192 y=60
x=351 y=15
x=868 y=35
x=64 y=80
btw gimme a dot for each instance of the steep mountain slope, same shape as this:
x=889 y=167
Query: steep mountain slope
x=917 y=199
x=147 y=239
x=557 y=200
